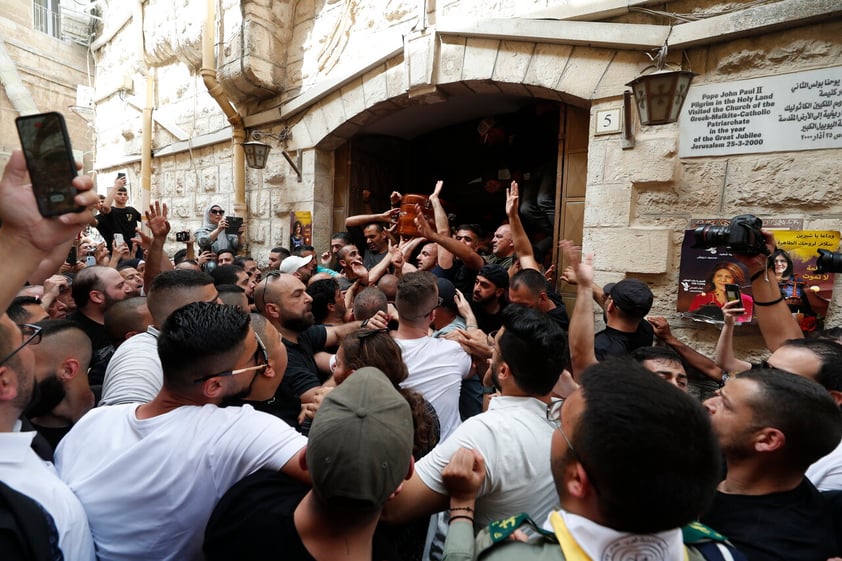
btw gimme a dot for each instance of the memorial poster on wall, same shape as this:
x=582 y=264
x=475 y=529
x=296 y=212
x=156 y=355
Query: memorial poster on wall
x=301 y=229
x=704 y=272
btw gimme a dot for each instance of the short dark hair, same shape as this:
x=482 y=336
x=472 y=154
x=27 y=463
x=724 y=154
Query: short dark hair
x=643 y=441
x=323 y=293
x=159 y=302
x=378 y=225
x=801 y=409
x=344 y=236
x=475 y=228
x=302 y=248
x=240 y=261
x=194 y=338
x=368 y=302
x=530 y=279
x=641 y=354
x=180 y=278
x=179 y=256
x=227 y=250
x=416 y=295
x=16 y=311
x=282 y=251
x=830 y=354
x=534 y=346
x=226 y=274
x=124 y=317
x=50 y=327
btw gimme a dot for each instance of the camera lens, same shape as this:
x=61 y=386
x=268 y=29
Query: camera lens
x=711 y=236
x=829 y=262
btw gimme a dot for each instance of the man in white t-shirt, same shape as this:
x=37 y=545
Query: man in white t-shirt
x=134 y=373
x=513 y=435
x=436 y=366
x=150 y=475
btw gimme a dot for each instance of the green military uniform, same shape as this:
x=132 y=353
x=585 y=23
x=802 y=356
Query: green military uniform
x=493 y=543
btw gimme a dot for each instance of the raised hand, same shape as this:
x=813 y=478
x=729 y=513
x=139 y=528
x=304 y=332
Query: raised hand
x=156 y=219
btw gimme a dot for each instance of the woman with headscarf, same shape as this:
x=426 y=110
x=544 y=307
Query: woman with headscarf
x=213 y=237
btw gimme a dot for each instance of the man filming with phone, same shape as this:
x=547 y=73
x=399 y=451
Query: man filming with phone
x=115 y=216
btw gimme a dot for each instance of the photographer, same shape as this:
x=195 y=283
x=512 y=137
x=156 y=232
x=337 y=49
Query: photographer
x=213 y=235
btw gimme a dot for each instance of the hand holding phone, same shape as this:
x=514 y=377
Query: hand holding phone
x=49 y=159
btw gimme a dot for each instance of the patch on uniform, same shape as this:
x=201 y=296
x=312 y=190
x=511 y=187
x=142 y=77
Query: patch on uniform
x=649 y=547
x=696 y=532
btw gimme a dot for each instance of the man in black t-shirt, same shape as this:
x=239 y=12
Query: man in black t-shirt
x=771 y=426
x=115 y=216
x=94 y=290
x=283 y=299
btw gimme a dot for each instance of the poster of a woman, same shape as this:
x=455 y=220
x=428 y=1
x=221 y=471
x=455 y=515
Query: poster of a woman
x=709 y=303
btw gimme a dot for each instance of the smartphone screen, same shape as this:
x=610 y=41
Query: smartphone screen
x=732 y=292
x=49 y=158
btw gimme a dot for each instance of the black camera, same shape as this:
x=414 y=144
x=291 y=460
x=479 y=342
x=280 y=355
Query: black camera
x=829 y=262
x=742 y=236
x=182 y=236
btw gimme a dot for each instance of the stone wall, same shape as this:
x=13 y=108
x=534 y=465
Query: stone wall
x=50 y=69
x=641 y=198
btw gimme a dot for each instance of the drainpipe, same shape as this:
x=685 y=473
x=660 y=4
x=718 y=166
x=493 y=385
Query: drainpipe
x=215 y=89
x=146 y=144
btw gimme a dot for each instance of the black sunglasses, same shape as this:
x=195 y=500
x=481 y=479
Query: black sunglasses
x=31 y=336
x=217 y=211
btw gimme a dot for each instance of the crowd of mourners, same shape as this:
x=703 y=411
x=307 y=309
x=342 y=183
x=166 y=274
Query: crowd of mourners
x=396 y=396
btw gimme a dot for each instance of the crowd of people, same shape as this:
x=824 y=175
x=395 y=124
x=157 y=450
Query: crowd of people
x=394 y=397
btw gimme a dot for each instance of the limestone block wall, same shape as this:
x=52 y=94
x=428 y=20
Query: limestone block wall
x=639 y=201
x=49 y=70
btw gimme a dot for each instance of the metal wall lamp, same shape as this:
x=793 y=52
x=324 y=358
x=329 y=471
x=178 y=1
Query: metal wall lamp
x=659 y=94
x=257 y=152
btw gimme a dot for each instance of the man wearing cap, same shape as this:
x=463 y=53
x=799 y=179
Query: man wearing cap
x=626 y=304
x=358 y=455
x=447 y=317
x=298 y=267
x=489 y=296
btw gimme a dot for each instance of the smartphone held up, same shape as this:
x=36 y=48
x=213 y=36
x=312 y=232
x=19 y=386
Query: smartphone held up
x=49 y=159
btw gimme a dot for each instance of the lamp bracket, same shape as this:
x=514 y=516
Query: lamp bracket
x=295 y=165
x=282 y=136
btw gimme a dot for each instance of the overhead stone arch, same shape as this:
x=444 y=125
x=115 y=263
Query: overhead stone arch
x=433 y=68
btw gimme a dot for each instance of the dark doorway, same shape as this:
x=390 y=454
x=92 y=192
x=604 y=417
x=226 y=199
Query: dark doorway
x=476 y=158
